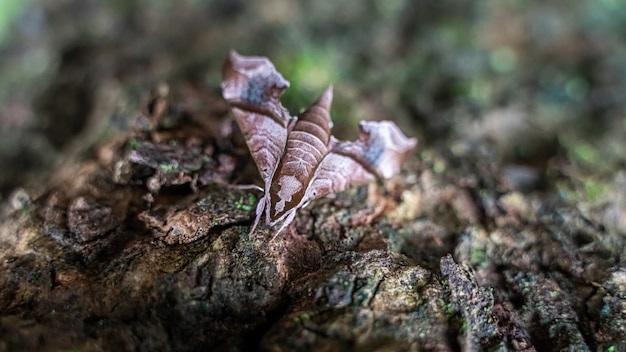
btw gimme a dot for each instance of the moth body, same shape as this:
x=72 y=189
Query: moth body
x=307 y=144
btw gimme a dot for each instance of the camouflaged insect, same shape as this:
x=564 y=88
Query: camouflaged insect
x=297 y=157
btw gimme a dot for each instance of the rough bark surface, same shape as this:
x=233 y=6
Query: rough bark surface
x=505 y=230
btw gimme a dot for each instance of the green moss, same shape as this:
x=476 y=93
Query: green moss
x=194 y=167
x=133 y=144
x=463 y=327
x=594 y=190
x=447 y=307
x=173 y=167
x=477 y=256
x=585 y=153
x=245 y=204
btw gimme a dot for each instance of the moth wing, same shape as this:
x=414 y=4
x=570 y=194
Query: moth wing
x=379 y=151
x=253 y=88
x=308 y=142
x=381 y=147
x=265 y=139
x=336 y=173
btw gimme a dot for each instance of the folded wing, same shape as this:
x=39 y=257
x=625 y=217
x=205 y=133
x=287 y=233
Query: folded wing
x=379 y=151
x=253 y=88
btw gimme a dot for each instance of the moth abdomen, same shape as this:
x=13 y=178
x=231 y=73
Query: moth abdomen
x=309 y=137
x=305 y=130
x=319 y=114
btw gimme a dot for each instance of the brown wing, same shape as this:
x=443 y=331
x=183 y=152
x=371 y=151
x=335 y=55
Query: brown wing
x=307 y=145
x=253 y=87
x=380 y=151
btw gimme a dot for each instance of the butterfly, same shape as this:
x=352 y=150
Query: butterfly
x=297 y=157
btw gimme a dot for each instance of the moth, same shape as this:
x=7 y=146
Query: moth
x=297 y=157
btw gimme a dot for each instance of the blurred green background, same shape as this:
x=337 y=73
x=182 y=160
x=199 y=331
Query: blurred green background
x=532 y=81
